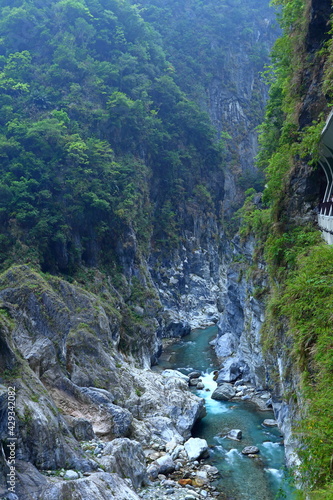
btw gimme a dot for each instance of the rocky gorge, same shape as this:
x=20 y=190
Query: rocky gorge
x=94 y=287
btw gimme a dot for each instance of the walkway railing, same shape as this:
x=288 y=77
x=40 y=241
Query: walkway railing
x=325 y=221
x=325 y=212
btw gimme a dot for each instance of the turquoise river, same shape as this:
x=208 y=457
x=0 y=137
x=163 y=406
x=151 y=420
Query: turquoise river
x=242 y=478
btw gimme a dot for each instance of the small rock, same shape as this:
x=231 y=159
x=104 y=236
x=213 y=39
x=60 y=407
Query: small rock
x=165 y=464
x=71 y=474
x=195 y=374
x=211 y=469
x=202 y=474
x=204 y=493
x=239 y=383
x=193 y=382
x=155 y=455
x=176 y=452
x=200 y=386
x=152 y=471
x=235 y=434
x=184 y=482
x=250 y=450
x=168 y=483
x=199 y=482
x=170 y=491
x=269 y=422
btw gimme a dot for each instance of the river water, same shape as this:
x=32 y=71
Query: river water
x=242 y=478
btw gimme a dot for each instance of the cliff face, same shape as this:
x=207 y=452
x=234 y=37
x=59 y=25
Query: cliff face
x=236 y=98
x=218 y=53
x=260 y=338
x=238 y=343
x=60 y=353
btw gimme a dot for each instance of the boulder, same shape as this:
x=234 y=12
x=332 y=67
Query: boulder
x=195 y=374
x=152 y=471
x=166 y=464
x=71 y=474
x=195 y=448
x=126 y=458
x=232 y=370
x=200 y=385
x=250 y=450
x=121 y=420
x=224 y=392
x=235 y=434
x=162 y=429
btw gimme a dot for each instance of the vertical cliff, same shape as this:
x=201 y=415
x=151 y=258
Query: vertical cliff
x=287 y=289
x=217 y=53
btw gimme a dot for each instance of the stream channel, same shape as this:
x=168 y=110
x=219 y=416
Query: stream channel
x=242 y=478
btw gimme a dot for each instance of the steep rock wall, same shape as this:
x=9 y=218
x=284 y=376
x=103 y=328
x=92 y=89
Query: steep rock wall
x=72 y=384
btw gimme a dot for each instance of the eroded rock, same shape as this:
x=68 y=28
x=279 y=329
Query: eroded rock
x=224 y=392
x=126 y=458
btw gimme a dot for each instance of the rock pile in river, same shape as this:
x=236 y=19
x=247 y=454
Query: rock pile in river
x=185 y=477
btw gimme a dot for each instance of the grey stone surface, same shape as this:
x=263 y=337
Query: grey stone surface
x=82 y=429
x=269 y=422
x=126 y=458
x=195 y=448
x=71 y=474
x=165 y=464
x=250 y=450
x=99 y=486
x=224 y=392
x=235 y=434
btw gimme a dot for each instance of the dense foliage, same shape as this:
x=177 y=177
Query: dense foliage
x=96 y=138
x=217 y=51
x=198 y=36
x=299 y=263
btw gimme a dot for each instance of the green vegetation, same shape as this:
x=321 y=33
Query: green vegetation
x=96 y=138
x=198 y=36
x=300 y=302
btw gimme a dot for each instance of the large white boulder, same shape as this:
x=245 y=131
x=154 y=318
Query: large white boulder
x=195 y=448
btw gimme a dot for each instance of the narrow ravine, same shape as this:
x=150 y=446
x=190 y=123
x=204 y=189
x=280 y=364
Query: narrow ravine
x=242 y=478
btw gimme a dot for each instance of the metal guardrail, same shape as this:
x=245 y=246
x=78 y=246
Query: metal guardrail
x=325 y=221
x=325 y=209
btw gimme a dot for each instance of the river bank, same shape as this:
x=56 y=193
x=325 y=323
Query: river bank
x=240 y=478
